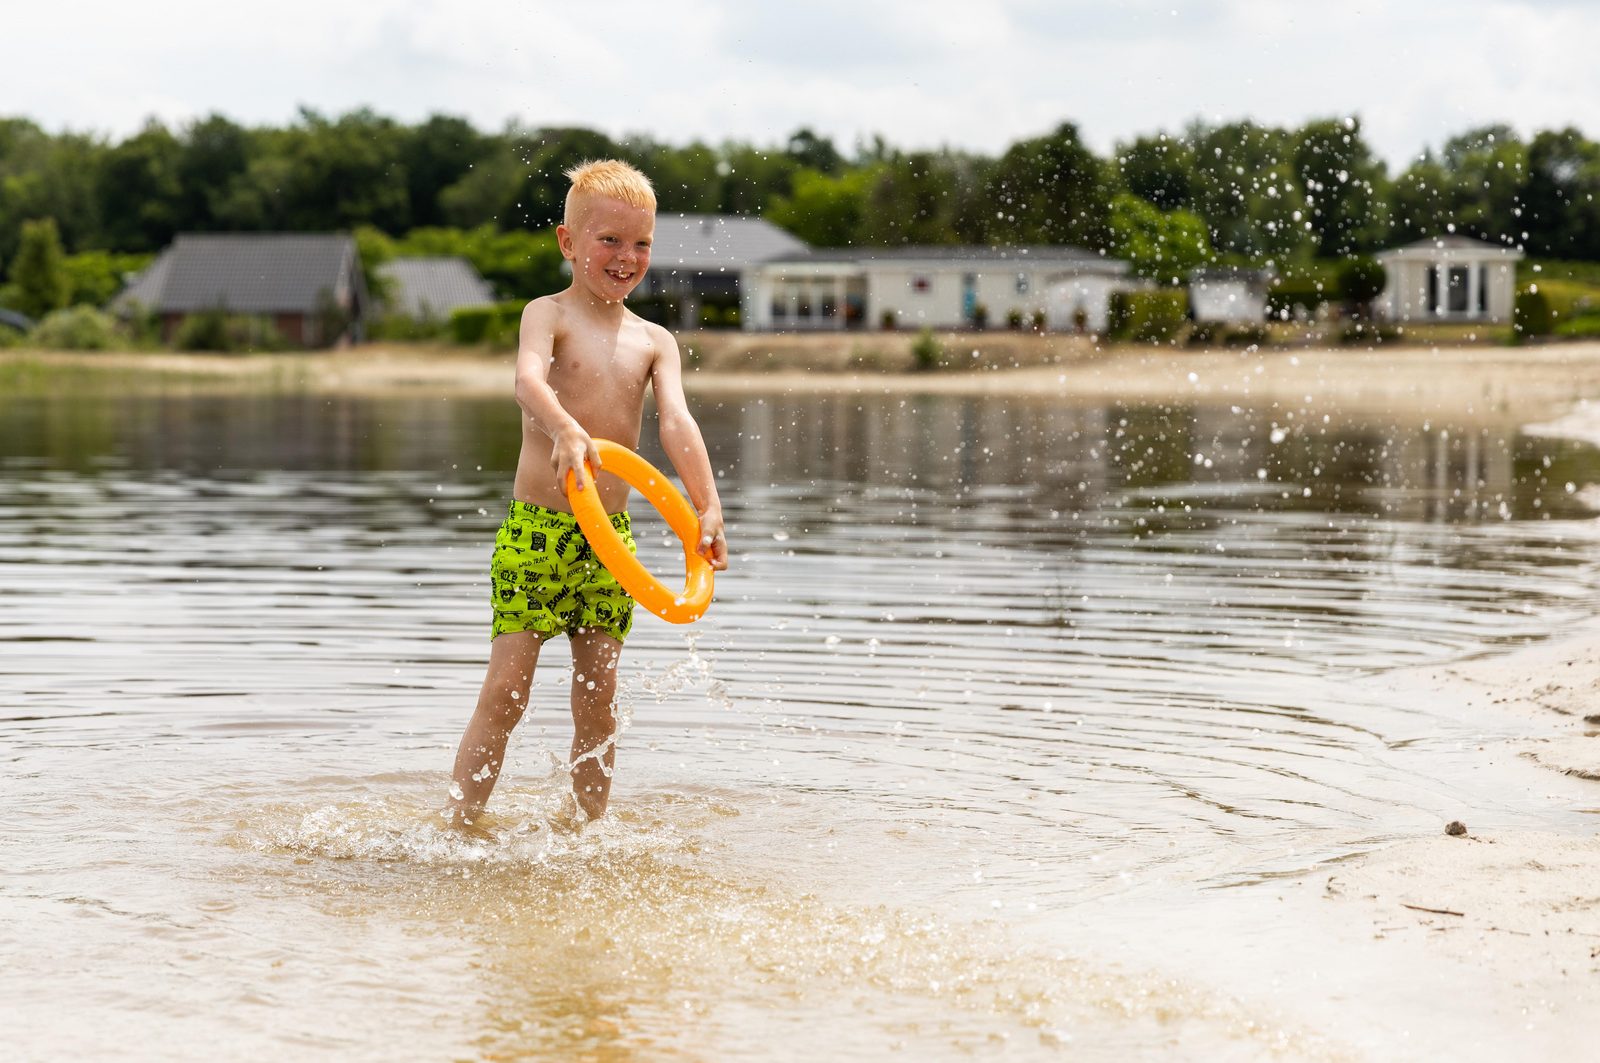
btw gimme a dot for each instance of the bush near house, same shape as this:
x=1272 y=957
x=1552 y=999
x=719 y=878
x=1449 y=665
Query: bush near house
x=1360 y=281
x=1531 y=315
x=495 y=325
x=76 y=328
x=1284 y=298
x=225 y=333
x=1148 y=316
x=926 y=350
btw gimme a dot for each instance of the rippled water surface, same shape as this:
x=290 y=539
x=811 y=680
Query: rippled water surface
x=987 y=676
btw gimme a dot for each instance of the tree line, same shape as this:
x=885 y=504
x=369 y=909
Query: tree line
x=1238 y=192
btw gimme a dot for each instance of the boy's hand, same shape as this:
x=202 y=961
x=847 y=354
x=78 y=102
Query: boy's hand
x=572 y=448
x=713 y=545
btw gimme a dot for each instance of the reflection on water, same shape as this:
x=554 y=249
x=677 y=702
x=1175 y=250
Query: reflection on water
x=978 y=664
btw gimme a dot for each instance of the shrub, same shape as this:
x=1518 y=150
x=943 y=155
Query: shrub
x=495 y=324
x=1588 y=325
x=980 y=316
x=1531 y=315
x=1205 y=334
x=1285 y=296
x=1365 y=332
x=1155 y=316
x=888 y=320
x=401 y=327
x=225 y=333
x=1360 y=281
x=1246 y=336
x=926 y=350
x=1014 y=319
x=1039 y=320
x=77 y=328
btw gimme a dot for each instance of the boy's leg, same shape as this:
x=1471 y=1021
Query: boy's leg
x=594 y=718
x=501 y=702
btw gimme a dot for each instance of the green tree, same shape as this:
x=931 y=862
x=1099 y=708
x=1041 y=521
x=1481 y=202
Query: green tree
x=214 y=153
x=435 y=155
x=1049 y=190
x=140 y=190
x=814 y=152
x=1157 y=169
x=1561 y=202
x=1344 y=187
x=822 y=210
x=1474 y=184
x=1163 y=245
x=911 y=199
x=38 y=276
x=1244 y=185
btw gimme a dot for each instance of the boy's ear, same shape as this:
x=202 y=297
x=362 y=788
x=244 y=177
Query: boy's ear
x=564 y=241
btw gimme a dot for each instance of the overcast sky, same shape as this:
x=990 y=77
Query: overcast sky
x=924 y=73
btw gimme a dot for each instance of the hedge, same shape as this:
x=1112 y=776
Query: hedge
x=496 y=325
x=1155 y=316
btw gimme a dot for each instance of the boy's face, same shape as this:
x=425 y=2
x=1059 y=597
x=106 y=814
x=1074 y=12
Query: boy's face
x=608 y=245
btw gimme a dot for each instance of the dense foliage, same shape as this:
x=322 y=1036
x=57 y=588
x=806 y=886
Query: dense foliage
x=1238 y=192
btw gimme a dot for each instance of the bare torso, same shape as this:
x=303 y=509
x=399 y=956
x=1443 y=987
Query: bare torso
x=599 y=372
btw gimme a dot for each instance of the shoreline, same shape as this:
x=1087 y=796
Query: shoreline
x=1538 y=383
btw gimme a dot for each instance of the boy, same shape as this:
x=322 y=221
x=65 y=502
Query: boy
x=583 y=361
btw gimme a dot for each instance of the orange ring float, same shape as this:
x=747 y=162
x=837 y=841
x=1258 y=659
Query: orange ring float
x=676 y=607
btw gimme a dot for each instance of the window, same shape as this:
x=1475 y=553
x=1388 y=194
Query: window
x=1483 y=289
x=920 y=284
x=1022 y=284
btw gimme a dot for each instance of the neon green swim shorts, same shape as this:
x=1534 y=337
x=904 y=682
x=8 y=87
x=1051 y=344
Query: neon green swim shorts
x=545 y=577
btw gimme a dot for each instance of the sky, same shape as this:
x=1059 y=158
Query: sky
x=971 y=74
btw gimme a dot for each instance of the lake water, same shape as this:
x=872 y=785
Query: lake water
x=993 y=688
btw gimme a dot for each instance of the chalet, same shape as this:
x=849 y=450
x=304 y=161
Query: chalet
x=307 y=285
x=936 y=286
x=1448 y=278
x=1229 y=295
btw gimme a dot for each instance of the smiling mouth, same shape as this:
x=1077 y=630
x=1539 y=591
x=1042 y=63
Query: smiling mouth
x=620 y=275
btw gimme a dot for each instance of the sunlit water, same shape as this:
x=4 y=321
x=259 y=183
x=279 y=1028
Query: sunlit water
x=980 y=667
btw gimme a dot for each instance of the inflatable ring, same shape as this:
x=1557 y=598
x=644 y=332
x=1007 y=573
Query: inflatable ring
x=676 y=607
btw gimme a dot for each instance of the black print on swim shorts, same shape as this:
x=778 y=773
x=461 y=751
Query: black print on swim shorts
x=537 y=542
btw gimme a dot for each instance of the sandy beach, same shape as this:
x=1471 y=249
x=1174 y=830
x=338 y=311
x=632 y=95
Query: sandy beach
x=1493 y=383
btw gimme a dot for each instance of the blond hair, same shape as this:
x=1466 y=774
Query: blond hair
x=612 y=178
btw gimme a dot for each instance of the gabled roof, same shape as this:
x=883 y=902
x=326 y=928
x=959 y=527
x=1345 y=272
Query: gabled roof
x=248 y=273
x=433 y=287
x=710 y=242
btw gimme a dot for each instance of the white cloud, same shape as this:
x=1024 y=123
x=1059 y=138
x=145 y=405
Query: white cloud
x=957 y=72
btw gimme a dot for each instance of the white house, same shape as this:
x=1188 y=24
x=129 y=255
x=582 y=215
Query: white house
x=1448 y=278
x=935 y=286
x=1229 y=295
x=710 y=256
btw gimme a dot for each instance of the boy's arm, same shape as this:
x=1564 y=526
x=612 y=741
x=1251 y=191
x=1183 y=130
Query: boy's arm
x=536 y=348
x=681 y=439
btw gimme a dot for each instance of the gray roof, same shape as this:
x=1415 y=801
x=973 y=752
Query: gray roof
x=711 y=242
x=433 y=287
x=1041 y=256
x=1450 y=242
x=249 y=273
